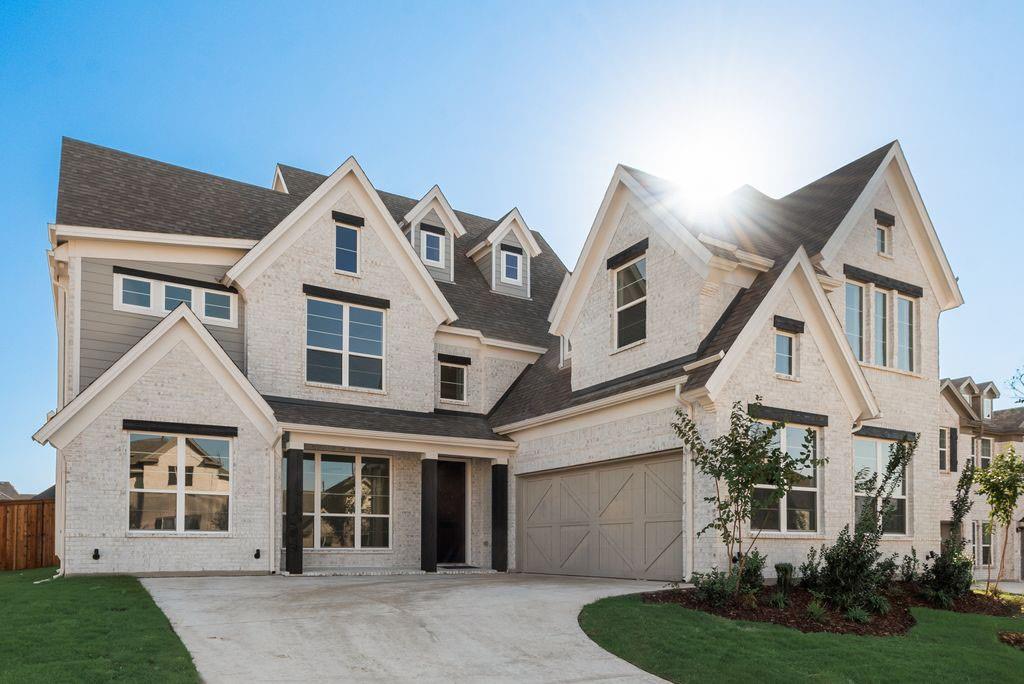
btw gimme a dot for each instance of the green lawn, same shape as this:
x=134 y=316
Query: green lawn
x=85 y=629
x=690 y=646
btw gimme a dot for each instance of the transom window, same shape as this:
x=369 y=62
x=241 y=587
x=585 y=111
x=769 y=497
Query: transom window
x=797 y=511
x=433 y=248
x=160 y=501
x=870 y=458
x=881 y=329
x=855 y=319
x=784 y=354
x=904 y=334
x=344 y=345
x=631 y=303
x=346 y=249
x=511 y=268
x=346 y=501
x=453 y=382
x=153 y=297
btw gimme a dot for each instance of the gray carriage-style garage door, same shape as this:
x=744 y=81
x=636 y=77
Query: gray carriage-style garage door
x=621 y=519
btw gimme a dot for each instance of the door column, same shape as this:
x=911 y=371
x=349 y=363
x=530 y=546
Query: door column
x=293 y=512
x=428 y=512
x=499 y=516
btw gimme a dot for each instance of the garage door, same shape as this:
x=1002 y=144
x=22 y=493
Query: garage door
x=620 y=519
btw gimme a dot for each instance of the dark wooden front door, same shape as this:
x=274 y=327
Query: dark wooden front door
x=451 y=512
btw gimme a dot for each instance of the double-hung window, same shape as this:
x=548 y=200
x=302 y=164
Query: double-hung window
x=346 y=249
x=797 y=511
x=985 y=459
x=432 y=248
x=855 y=319
x=453 y=382
x=344 y=344
x=986 y=407
x=904 y=334
x=882 y=239
x=881 y=328
x=631 y=303
x=154 y=297
x=981 y=531
x=785 y=356
x=160 y=501
x=870 y=458
x=346 y=501
x=944 y=460
x=511 y=268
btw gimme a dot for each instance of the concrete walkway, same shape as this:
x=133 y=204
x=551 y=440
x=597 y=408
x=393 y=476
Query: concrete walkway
x=495 y=628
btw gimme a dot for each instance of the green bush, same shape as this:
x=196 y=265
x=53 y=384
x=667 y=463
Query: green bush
x=714 y=587
x=887 y=569
x=910 y=567
x=752 y=578
x=816 y=611
x=778 y=600
x=858 y=615
x=948 y=575
x=784 y=576
x=810 y=569
x=879 y=604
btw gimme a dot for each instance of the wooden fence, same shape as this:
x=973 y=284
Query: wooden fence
x=26 y=534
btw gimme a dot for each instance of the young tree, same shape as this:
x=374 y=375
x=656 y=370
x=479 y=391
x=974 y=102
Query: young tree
x=746 y=456
x=1002 y=485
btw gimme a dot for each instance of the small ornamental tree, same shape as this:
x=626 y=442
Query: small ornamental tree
x=950 y=574
x=746 y=456
x=1002 y=485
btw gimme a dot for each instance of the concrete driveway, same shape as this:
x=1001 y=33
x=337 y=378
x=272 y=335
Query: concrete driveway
x=493 y=628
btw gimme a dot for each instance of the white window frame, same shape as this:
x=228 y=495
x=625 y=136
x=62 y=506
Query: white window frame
x=440 y=248
x=518 y=280
x=902 y=493
x=858 y=352
x=345 y=352
x=985 y=461
x=358 y=515
x=157 y=296
x=359 y=249
x=792 y=355
x=912 y=341
x=978 y=544
x=986 y=407
x=179 y=487
x=619 y=309
x=465 y=379
x=817 y=489
x=886 y=231
x=944 y=450
x=881 y=332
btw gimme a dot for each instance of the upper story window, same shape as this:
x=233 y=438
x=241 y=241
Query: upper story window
x=631 y=303
x=785 y=354
x=870 y=458
x=944 y=445
x=152 y=297
x=855 y=319
x=797 y=511
x=904 y=334
x=881 y=328
x=511 y=267
x=432 y=248
x=986 y=407
x=985 y=456
x=346 y=249
x=453 y=382
x=160 y=501
x=344 y=344
x=884 y=223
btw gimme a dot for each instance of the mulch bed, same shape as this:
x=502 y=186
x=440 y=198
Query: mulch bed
x=1015 y=639
x=894 y=623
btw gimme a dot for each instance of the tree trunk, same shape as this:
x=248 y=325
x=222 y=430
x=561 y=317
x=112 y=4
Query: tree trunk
x=1002 y=555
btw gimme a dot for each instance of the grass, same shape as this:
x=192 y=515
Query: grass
x=689 y=646
x=85 y=629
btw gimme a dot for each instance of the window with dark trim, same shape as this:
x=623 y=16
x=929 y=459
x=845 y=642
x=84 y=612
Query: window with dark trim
x=346 y=249
x=344 y=344
x=631 y=303
x=453 y=382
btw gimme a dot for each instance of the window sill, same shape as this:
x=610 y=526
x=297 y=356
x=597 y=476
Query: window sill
x=787 y=378
x=218 y=322
x=807 y=536
x=141 y=534
x=886 y=255
x=349 y=274
x=343 y=388
x=349 y=551
x=891 y=369
x=453 y=402
x=632 y=345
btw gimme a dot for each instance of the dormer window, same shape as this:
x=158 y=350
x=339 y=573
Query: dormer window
x=511 y=266
x=986 y=407
x=432 y=246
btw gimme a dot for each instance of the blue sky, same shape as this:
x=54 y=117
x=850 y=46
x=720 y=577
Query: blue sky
x=519 y=104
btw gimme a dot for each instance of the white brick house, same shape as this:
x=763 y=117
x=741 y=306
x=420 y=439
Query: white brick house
x=321 y=376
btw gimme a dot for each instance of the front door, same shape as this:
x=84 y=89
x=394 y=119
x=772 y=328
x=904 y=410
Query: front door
x=451 y=512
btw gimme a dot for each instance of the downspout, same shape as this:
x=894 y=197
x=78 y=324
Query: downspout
x=688 y=461
x=273 y=552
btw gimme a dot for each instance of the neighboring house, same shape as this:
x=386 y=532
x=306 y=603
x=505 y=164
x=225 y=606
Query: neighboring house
x=324 y=377
x=9 y=493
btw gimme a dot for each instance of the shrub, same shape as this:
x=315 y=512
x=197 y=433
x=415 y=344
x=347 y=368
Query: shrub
x=950 y=573
x=910 y=567
x=778 y=600
x=887 y=569
x=816 y=611
x=714 y=587
x=810 y=569
x=752 y=576
x=784 y=575
x=858 y=615
x=878 y=604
